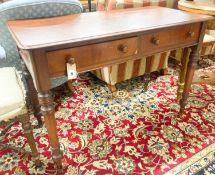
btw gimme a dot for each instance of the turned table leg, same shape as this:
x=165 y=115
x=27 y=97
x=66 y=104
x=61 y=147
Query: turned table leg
x=192 y=64
x=32 y=93
x=47 y=109
x=71 y=86
x=182 y=72
x=26 y=125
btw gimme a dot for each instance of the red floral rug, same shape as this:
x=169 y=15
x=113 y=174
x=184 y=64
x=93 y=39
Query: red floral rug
x=140 y=133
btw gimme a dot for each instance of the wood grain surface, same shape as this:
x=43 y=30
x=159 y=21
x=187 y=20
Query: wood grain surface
x=84 y=28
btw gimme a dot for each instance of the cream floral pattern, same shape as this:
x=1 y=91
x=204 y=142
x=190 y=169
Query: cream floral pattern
x=189 y=129
x=99 y=148
x=9 y=161
x=85 y=124
x=157 y=146
x=210 y=116
x=124 y=165
x=172 y=134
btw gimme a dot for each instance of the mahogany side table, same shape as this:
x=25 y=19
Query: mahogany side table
x=141 y=31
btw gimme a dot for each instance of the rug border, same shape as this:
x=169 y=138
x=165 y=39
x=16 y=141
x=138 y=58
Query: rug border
x=188 y=162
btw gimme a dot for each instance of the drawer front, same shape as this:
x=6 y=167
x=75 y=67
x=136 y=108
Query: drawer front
x=170 y=38
x=91 y=56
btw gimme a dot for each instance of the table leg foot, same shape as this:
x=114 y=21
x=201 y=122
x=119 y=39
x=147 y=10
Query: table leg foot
x=192 y=64
x=147 y=80
x=59 y=166
x=47 y=109
x=26 y=125
x=70 y=84
x=183 y=103
x=112 y=88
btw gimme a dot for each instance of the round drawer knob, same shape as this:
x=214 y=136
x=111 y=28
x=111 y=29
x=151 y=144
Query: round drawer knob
x=191 y=34
x=70 y=59
x=123 y=48
x=155 y=41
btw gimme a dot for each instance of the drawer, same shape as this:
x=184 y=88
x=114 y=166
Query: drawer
x=91 y=56
x=171 y=38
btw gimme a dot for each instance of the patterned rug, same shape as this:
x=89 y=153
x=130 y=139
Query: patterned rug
x=140 y=133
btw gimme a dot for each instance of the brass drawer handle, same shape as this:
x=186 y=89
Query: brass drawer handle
x=123 y=48
x=190 y=34
x=155 y=41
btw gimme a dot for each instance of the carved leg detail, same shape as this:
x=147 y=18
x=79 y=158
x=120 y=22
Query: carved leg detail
x=32 y=93
x=192 y=64
x=26 y=125
x=182 y=72
x=47 y=109
x=70 y=85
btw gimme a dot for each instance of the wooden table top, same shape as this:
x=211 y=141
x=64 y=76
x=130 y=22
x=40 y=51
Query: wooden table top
x=202 y=6
x=92 y=27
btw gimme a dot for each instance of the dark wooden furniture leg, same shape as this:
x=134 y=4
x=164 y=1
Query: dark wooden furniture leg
x=192 y=64
x=26 y=125
x=47 y=109
x=182 y=72
x=164 y=71
x=112 y=88
x=89 y=5
x=147 y=80
x=71 y=86
x=147 y=72
x=32 y=94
